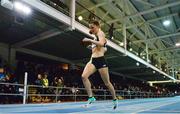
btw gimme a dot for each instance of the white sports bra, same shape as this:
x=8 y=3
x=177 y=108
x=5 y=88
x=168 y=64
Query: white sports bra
x=94 y=45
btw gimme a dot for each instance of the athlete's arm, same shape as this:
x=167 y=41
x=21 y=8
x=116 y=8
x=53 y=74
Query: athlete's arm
x=101 y=42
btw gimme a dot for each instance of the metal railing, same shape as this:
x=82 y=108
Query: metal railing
x=37 y=94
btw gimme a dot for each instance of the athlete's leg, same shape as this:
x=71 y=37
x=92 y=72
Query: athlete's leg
x=88 y=70
x=105 y=77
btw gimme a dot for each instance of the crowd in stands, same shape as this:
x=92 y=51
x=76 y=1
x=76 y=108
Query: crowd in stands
x=7 y=76
x=43 y=76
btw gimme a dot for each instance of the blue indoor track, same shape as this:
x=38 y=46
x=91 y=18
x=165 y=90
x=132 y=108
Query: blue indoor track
x=133 y=106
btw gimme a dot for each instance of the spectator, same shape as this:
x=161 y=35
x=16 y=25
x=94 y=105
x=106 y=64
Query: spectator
x=39 y=83
x=45 y=83
x=59 y=88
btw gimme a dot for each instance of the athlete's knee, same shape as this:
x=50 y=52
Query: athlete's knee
x=84 y=77
x=108 y=84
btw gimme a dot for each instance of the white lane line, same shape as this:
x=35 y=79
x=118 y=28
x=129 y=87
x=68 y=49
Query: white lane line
x=128 y=108
x=154 y=107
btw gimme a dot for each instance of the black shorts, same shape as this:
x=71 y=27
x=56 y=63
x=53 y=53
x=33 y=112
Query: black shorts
x=99 y=62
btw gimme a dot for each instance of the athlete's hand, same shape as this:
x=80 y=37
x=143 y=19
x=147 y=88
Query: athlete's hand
x=86 y=40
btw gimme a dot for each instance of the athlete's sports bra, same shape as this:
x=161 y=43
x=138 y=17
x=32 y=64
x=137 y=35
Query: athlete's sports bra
x=94 y=45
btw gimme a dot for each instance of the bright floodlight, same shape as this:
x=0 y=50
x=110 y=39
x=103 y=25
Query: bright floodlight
x=80 y=18
x=121 y=44
x=137 y=64
x=18 y=5
x=166 y=22
x=130 y=49
x=177 y=44
x=27 y=10
x=22 y=8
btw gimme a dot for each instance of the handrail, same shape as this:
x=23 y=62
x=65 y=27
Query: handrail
x=75 y=96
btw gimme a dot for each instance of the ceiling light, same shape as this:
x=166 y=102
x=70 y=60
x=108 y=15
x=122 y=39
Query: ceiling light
x=154 y=72
x=151 y=84
x=80 y=18
x=27 y=10
x=130 y=49
x=137 y=64
x=22 y=8
x=18 y=5
x=166 y=22
x=177 y=44
x=121 y=44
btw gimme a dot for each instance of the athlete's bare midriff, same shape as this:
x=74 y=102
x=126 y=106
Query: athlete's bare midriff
x=98 y=51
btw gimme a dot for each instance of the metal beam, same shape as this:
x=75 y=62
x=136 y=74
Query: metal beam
x=147 y=46
x=178 y=30
x=122 y=75
x=159 y=37
x=166 y=81
x=165 y=50
x=147 y=21
x=86 y=59
x=52 y=13
x=162 y=17
x=176 y=65
x=44 y=55
x=126 y=68
x=146 y=3
x=72 y=11
x=170 y=59
x=125 y=36
x=91 y=8
x=141 y=74
x=156 y=27
x=105 y=15
x=40 y=37
x=154 y=9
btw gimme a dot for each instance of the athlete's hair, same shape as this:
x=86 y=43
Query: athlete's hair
x=95 y=23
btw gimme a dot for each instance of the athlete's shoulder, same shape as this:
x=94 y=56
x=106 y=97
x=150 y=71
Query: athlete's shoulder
x=101 y=33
